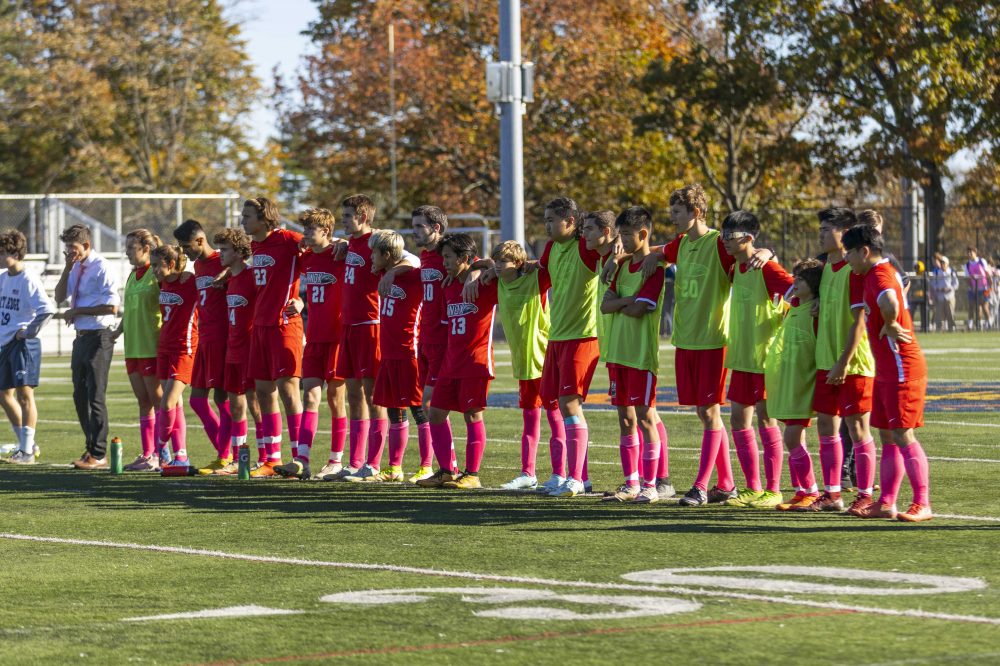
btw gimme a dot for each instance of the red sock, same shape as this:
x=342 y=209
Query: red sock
x=864 y=463
x=532 y=431
x=774 y=457
x=424 y=442
x=475 y=445
x=831 y=459
x=557 y=441
x=915 y=461
x=307 y=433
x=358 y=438
x=746 y=453
x=711 y=441
x=891 y=470
x=338 y=438
x=663 y=466
x=376 y=442
x=399 y=433
x=628 y=448
x=209 y=419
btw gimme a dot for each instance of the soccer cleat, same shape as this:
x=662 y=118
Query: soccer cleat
x=664 y=488
x=716 y=495
x=263 y=471
x=797 y=497
x=860 y=505
x=232 y=468
x=878 y=510
x=625 y=493
x=164 y=455
x=341 y=475
x=521 y=482
x=826 y=502
x=144 y=464
x=588 y=487
x=21 y=458
x=362 y=475
x=744 y=498
x=647 y=496
x=295 y=469
x=917 y=513
x=437 y=479
x=421 y=473
x=464 y=481
x=694 y=497
x=214 y=466
x=805 y=504
x=768 y=499
x=328 y=469
x=388 y=475
x=571 y=488
x=554 y=481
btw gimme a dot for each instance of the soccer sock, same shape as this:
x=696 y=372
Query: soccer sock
x=724 y=463
x=399 y=433
x=358 y=437
x=158 y=428
x=178 y=436
x=338 y=438
x=376 y=442
x=663 y=466
x=442 y=444
x=238 y=436
x=147 y=434
x=800 y=460
x=209 y=419
x=890 y=473
x=576 y=449
x=628 y=447
x=307 y=433
x=225 y=431
x=585 y=474
x=711 y=441
x=650 y=461
x=451 y=438
x=258 y=431
x=294 y=422
x=915 y=461
x=831 y=459
x=774 y=457
x=864 y=462
x=532 y=431
x=272 y=431
x=424 y=442
x=167 y=418
x=746 y=453
x=475 y=444
x=557 y=441
x=27 y=441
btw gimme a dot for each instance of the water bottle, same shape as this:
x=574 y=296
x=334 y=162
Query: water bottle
x=244 y=462
x=116 y=455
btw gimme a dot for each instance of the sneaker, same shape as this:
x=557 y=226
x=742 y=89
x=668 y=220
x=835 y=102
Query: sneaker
x=878 y=510
x=717 y=496
x=144 y=464
x=21 y=458
x=744 y=498
x=588 y=487
x=805 y=504
x=341 y=475
x=827 y=502
x=860 y=505
x=263 y=471
x=521 y=482
x=555 y=481
x=917 y=513
x=232 y=468
x=796 y=498
x=295 y=469
x=571 y=488
x=164 y=455
x=388 y=475
x=465 y=481
x=694 y=497
x=768 y=499
x=362 y=474
x=625 y=493
x=664 y=488
x=421 y=473
x=214 y=466
x=647 y=495
x=437 y=479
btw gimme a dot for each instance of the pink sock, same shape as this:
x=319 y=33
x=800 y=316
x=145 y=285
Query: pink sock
x=724 y=464
x=650 y=461
x=663 y=466
x=891 y=470
x=530 y=435
x=800 y=461
x=258 y=431
x=424 y=442
x=915 y=461
x=307 y=434
x=376 y=442
x=475 y=445
x=451 y=438
x=442 y=445
x=711 y=441
x=746 y=453
x=178 y=436
x=225 y=431
x=576 y=449
x=864 y=463
x=831 y=459
x=358 y=438
x=147 y=434
x=168 y=419
x=294 y=422
x=398 y=434
x=272 y=436
x=585 y=474
x=557 y=441
x=774 y=457
x=209 y=419
x=238 y=436
x=338 y=439
x=628 y=448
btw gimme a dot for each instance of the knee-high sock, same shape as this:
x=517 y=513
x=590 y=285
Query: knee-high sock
x=258 y=432
x=358 y=438
x=443 y=446
x=398 y=434
x=294 y=422
x=424 y=442
x=178 y=435
x=831 y=459
x=864 y=463
x=746 y=453
x=238 y=436
x=724 y=463
x=272 y=425
x=890 y=473
x=147 y=434
x=376 y=441
x=800 y=461
x=557 y=441
x=585 y=474
x=774 y=457
x=915 y=461
x=650 y=461
x=628 y=448
x=338 y=438
x=530 y=434
x=225 y=431
x=576 y=448
x=209 y=419
x=307 y=433
x=663 y=466
x=475 y=445
x=711 y=441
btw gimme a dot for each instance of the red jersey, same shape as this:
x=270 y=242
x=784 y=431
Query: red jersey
x=178 y=301
x=211 y=301
x=401 y=310
x=323 y=278
x=241 y=294
x=276 y=274
x=361 y=302
x=894 y=362
x=433 y=330
x=470 y=332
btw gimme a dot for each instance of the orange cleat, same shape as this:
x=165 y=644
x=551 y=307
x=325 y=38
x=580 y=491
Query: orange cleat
x=800 y=499
x=265 y=470
x=859 y=505
x=877 y=510
x=917 y=513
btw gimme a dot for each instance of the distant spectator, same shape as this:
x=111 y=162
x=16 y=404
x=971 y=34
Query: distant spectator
x=979 y=274
x=943 y=284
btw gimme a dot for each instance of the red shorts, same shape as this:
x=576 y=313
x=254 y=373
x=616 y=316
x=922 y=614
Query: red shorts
x=854 y=396
x=898 y=405
x=358 y=357
x=746 y=388
x=529 y=393
x=209 y=365
x=461 y=394
x=398 y=383
x=144 y=366
x=568 y=369
x=319 y=360
x=631 y=387
x=276 y=351
x=805 y=423
x=429 y=359
x=701 y=376
x=175 y=365
x=236 y=379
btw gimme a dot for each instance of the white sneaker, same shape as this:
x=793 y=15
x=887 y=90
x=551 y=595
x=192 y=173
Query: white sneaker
x=363 y=474
x=21 y=458
x=521 y=482
x=341 y=475
x=571 y=488
x=647 y=495
x=328 y=469
x=555 y=481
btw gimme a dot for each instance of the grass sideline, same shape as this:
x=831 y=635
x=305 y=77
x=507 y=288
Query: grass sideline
x=278 y=544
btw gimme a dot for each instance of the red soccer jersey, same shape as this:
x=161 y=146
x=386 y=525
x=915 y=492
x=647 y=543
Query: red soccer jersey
x=433 y=330
x=211 y=301
x=241 y=294
x=893 y=362
x=470 y=332
x=401 y=310
x=323 y=278
x=178 y=301
x=276 y=274
x=777 y=280
x=670 y=254
x=361 y=302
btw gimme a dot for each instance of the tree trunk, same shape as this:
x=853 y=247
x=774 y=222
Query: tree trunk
x=934 y=200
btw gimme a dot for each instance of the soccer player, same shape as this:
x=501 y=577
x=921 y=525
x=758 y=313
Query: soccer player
x=323 y=276
x=276 y=341
x=789 y=378
x=141 y=326
x=632 y=354
x=900 y=378
x=210 y=359
x=755 y=310
x=24 y=309
x=176 y=348
x=466 y=371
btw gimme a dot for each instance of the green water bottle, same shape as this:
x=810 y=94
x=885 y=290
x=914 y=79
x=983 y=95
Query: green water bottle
x=116 y=455
x=244 y=462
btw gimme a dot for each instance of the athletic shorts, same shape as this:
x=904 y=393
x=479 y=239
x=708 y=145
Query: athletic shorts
x=319 y=360
x=701 y=376
x=209 y=365
x=854 y=396
x=276 y=351
x=358 y=356
x=529 y=394
x=568 y=369
x=175 y=365
x=899 y=405
x=429 y=359
x=20 y=363
x=461 y=394
x=746 y=388
x=146 y=367
x=631 y=387
x=805 y=423
x=397 y=384
x=236 y=379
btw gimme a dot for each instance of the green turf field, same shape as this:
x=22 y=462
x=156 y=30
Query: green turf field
x=320 y=572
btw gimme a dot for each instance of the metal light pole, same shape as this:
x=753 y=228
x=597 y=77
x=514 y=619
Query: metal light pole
x=511 y=106
x=392 y=113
